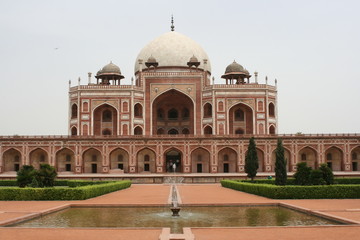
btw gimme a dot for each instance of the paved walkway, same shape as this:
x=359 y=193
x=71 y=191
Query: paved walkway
x=190 y=194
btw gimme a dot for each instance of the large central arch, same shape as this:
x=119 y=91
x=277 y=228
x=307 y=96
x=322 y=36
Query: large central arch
x=105 y=120
x=172 y=112
x=241 y=119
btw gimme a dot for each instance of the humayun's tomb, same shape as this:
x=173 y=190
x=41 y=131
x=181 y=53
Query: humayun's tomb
x=173 y=112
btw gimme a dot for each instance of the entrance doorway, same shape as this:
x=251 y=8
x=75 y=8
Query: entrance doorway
x=199 y=168
x=93 y=168
x=173 y=157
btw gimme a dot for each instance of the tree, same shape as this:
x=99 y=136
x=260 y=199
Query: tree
x=251 y=160
x=327 y=174
x=280 y=164
x=302 y=175
x=46 y=175
x=25 y=175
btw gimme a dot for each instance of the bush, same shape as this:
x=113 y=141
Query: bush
x=327 y=174
x=61 y=193
x=46 y=175
x=25 y=175
x=302 y=175
x=316 y=177
x=295 y=192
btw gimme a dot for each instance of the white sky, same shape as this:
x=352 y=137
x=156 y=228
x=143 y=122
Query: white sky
x=311 y=46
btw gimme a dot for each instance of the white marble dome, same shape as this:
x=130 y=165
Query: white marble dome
x=173 y=49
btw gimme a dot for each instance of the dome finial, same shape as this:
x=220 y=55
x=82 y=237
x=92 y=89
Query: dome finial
x=172 y=23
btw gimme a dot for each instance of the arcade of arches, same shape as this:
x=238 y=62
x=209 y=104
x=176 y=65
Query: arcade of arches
x=194 y=160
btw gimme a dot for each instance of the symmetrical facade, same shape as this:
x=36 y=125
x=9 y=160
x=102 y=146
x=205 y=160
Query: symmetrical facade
x=173 y=114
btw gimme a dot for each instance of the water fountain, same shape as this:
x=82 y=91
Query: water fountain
x=175 y=209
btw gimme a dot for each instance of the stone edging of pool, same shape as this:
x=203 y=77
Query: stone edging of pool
x=33 y=215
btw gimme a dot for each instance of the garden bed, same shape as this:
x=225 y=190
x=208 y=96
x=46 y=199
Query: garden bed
x=336 y=191
x=65 y=190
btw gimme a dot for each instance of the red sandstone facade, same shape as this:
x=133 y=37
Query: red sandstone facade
x=173 y=112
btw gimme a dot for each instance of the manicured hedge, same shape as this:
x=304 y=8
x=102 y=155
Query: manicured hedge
x=291 y=181
x=61 y=193
x=8 y=183
x=295 y=192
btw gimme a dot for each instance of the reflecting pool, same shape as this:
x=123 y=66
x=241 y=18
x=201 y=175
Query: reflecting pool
x=207 y=216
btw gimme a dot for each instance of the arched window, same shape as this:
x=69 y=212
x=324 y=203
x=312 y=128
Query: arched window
x=173 y=131
x=199 y=158
x=74 y=131
x=85 y=106
x=160 y=131
x=94 y=158
x=74 y=111
x=138 y=131
x=120 y=158
x=185 y=131
x=68 y=158
x=185 y=113
x=221 y=106
x=272 y=129
x=17 y=158
x=207 y=110
x=303 y=157
x=271 y=110
x=107 y=116
x=329 y=156
x=226 y=157
x=173 y=114
x=208 y=130
x=239 y=131
x=160 y=113
x=354 y=156
x=146 y=158
x=239 y=115
x=42 y=158
x=106 y=132
x=138 y=110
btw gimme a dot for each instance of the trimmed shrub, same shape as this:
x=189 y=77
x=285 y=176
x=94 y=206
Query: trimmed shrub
x=316 y=177
x=46 y=175
x=25 y=175
x=302 y=175
x=327 y=174
x=295 y=192
x=61 y=193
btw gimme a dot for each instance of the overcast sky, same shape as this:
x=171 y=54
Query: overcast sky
x=311 y=46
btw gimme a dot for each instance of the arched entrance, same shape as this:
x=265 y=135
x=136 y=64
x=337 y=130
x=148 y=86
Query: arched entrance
x=172 y=157
x=146 y=161
x=227 y=159
x=37 y=157
x=65 y=160
x=308 y=155
x=334 y=158
x=12 y=160
x=241 y=117
x=119 y=160
x=105 y=120
x=92 y=161
x=170 y=109
x=200 y=161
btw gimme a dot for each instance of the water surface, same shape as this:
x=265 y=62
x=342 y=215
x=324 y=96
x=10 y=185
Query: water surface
x=122 y=217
